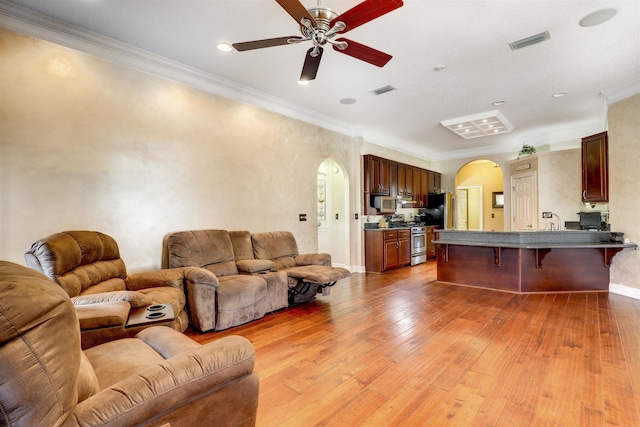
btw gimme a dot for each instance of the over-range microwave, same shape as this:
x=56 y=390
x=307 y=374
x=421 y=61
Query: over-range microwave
x=385 y=204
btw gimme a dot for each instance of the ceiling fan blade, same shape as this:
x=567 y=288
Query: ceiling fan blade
x=296 y=10
x=311 y=64
x=363 y=53
x=259 y=44
x=364 y=12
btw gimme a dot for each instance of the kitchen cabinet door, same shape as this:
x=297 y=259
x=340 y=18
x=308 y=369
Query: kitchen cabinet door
x=394 y=179
x=595 y=168
x=404 y=247
x=379 y=175
x=402 y=179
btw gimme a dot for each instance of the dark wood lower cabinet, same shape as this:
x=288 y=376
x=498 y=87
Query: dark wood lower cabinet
x=386 y=249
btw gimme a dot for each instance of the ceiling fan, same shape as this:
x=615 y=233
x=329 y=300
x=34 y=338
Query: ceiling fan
x=321 y=25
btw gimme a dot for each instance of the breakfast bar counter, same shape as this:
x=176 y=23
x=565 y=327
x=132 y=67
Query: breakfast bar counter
x=528 y=261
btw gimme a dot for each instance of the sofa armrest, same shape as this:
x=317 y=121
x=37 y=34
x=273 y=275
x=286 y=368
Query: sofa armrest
x=314 y=259
x=250 y=266
x=200 y=287
x=183 y=382
x=173 y=277
x=136 y=299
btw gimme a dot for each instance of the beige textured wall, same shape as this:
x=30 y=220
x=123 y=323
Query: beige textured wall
x=86 y=144
x=560 y=186
x=624 y=179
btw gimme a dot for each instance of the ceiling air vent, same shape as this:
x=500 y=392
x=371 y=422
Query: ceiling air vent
x=383 y=89
x=528 y=41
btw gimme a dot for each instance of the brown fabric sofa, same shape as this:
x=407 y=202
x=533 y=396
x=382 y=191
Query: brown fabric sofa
x=308 y=273
x=247 y=289
x=291 y=277
x=87 y=265
x=158 y=377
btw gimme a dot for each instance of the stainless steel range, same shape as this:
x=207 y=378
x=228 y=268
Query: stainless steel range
x=418 y=237
x=418 y=244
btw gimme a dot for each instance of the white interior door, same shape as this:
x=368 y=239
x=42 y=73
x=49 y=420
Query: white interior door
x=524 y=202
x=461 y=209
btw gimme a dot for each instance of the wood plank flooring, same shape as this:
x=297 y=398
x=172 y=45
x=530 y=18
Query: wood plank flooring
x=400 y=349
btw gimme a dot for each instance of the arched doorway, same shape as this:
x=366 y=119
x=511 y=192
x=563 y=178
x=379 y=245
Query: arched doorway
x=333 y=212
x=479 y=184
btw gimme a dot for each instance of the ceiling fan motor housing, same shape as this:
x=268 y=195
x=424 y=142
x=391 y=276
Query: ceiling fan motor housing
x=323 y=17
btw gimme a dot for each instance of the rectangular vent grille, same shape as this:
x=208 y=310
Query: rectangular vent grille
x=528 y=41
x=383 y=89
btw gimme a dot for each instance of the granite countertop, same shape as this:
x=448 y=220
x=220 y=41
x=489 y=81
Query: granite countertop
x=531 y=239
x=387 y=229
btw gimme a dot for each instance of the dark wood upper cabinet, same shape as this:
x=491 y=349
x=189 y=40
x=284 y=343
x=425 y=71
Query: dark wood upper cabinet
x=383 y=177
x=402 y=179
x=595 y=168
x=394 y=183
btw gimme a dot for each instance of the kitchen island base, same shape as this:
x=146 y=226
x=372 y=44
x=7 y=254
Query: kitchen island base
x=508 y=262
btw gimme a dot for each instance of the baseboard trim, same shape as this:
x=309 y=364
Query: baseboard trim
x=626 y=291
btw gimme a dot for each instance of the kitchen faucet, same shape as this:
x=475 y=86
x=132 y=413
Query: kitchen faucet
x=558 y=217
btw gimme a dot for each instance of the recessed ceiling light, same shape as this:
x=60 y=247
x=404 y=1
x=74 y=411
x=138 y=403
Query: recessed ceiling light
x=347 y=101
x=598 y=17
x=559 y=94
x=500 y=102
x=224 y=47
x=303 y=82
x=439 y=67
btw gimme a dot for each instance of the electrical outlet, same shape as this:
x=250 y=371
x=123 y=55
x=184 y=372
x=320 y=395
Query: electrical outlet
x=547 y=214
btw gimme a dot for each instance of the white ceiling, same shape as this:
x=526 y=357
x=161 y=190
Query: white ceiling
x=470 y=38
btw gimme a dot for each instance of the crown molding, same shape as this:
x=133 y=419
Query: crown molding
x=33 y=24
x=622 y=91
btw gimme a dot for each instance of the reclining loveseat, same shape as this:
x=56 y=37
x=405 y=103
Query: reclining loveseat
x=158 y=378
x=257 y=273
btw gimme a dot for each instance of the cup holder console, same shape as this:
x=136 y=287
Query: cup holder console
x=155 y=307
x=155 y=315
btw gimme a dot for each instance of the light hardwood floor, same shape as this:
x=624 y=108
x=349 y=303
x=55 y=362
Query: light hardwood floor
x=400 y=349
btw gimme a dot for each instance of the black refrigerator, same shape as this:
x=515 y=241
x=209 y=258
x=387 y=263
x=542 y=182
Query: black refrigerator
x=439 y=211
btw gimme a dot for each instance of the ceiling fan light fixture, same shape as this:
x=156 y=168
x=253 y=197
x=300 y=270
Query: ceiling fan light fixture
x=224 y=47
x=478 y=125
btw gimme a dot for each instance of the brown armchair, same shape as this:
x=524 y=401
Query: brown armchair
x=87 y=265
x=160 y=377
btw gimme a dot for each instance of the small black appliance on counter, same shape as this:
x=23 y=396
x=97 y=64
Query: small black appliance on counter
x=591 y=221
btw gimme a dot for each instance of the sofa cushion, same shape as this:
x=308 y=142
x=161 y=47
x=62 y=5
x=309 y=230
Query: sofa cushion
x=77 y=260
x=38 y=376
x=240 y=299
x=210 y=249
x=103 y=314
x=274 y=244
x=87 y=380
x=116 y=360
x=242 y=247
x=250 y=266
x=134 y=298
